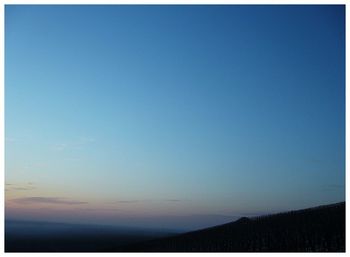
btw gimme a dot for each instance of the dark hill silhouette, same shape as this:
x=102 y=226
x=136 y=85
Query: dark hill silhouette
x=319 y=229
x=34 y=236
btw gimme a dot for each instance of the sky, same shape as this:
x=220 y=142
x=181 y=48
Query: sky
x=172 y=116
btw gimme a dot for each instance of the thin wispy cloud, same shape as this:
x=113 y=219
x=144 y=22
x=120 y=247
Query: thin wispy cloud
x=10 y=139
x=48 y=200
x=172 y=200
x=145 y=200
x=127 y=201
x=332 y=187
x=77 y=144
x=20 y=187
x=60 y=147
x=86 y=140
x=100 y=209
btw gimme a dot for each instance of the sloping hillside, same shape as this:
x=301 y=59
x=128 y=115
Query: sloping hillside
x=320 y=229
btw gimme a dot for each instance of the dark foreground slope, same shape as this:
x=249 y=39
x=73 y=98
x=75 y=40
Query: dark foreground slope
x=320 y=229
x=29 y=236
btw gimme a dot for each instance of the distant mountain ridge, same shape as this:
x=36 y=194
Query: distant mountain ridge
x=317 y=229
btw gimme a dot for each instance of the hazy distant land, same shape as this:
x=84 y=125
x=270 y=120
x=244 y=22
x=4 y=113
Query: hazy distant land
x=320 y=229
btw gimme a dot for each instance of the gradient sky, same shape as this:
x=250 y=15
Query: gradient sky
x=173 y=116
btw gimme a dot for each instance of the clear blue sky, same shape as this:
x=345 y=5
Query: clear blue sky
x=171 y=111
